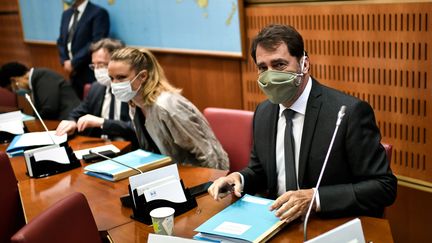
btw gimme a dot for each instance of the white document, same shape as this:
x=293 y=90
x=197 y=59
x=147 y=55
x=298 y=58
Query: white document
x=28 y=154
x=57 y=154
x=350 y=232
x=232 y=228
x=154 y=238
x=12 y=122
x=170 y=189
x=79 y=153
x=39 y=138
x=153 y=175
x=158 y=182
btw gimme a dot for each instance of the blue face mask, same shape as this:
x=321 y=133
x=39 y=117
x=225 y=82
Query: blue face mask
x=22 y=92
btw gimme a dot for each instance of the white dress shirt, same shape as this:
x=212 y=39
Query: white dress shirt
x=81 y=9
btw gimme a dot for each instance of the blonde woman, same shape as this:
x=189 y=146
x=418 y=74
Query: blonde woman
x=165 y=121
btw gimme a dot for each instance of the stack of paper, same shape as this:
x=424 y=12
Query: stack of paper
x=33 y=140
x=162 y=183
x=246 y=220
x=12 y=122
x=120 y=167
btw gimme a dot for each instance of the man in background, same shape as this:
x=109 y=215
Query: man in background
x=81 y=24
x=100 y=113
x=52 y=95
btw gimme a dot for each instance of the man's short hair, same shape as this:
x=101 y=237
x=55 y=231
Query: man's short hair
x=11 y=69
x=107 y=43
x=272 y=36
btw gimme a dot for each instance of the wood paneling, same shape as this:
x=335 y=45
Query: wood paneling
x=206 y=81
x=377 y=52
x=410 y=216
x=381 y=53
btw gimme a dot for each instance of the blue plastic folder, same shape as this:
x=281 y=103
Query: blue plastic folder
x=112 y=171
x=246 y=220
x=32 y=140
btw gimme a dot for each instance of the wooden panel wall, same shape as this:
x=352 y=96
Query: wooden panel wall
x=380 y=53
x=205 y=80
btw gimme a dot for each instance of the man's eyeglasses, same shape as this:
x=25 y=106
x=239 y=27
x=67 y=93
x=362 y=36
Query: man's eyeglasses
x=98 y=65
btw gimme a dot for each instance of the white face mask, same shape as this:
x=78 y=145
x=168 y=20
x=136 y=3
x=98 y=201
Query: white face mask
x=123 y=90
x=102 y=77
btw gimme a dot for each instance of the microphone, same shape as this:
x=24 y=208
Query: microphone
x=341 y=114
x=116 y=161
x=39 y=117
x=126 y=200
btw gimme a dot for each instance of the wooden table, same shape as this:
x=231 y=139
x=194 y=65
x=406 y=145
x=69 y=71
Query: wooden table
x=103 y=197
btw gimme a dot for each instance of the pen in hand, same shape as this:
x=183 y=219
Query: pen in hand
x=227 y=189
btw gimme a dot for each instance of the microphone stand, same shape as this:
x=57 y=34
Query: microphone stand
x=341 y=114
x=39 y=117
x=116 y=161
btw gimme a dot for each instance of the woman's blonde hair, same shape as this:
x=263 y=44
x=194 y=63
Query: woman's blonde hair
x=143 y=59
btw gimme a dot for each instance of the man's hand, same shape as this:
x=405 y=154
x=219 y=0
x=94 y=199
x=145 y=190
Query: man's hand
x=226 y=185
x=292 y=204
x=89 y=121
x=66 y=126
x=67 y=66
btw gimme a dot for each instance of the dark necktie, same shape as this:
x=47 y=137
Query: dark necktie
x=74 y=25
x=290 y=172
x=112 y=107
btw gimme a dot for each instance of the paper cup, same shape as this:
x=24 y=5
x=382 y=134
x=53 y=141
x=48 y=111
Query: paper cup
x=163 y=220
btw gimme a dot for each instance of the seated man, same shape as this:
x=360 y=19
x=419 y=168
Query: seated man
x=52 y=95
x=291 y=135
x=100 y=113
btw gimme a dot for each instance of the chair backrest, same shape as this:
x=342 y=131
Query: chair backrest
x=388 y=148
x=68 y=220
x=86 y=90
x=12 y=215
x=233 y=129
x=7 y=98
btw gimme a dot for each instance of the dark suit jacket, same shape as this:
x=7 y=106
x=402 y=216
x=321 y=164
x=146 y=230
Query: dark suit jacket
x=357 y=179
x=92 y=104
x=92 y=26
x=53 y=97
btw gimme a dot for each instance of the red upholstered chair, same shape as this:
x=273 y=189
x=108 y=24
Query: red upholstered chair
x=86 y=90
x=233 y=128
x=388 y=148
x=69 y=220
x=12 y=215
x=7 y=98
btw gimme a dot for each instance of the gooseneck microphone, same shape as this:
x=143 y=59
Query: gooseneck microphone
x=341 y=114
x=115 y=161
x=39 y=117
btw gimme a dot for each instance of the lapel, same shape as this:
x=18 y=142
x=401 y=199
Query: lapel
x=272 y=121
x=311 y=117
x=67 y=18
x=124 y=112
x=99 y=102
x=85 y=15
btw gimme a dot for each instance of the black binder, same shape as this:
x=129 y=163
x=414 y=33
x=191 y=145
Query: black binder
x=141 y=208
x=43 y=168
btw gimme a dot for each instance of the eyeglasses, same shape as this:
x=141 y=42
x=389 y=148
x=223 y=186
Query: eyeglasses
x=98 y=65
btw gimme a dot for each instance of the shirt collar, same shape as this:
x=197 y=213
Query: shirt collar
x=300 y=104
x=82 y=6
x=30 y=78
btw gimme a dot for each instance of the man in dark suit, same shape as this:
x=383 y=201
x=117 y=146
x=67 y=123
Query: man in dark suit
x=292 y=132
x=81 y=24
x=100 y=114
x=52 y=95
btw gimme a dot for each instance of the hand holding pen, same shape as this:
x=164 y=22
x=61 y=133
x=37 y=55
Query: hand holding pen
x=225 y=186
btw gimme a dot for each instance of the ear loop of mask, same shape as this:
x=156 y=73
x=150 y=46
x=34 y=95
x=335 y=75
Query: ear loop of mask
x=302 y=67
